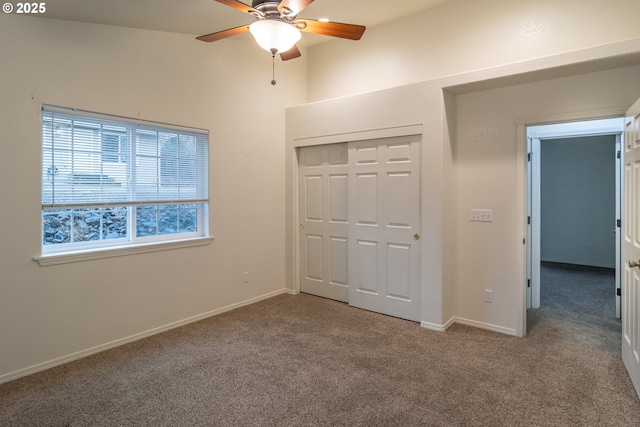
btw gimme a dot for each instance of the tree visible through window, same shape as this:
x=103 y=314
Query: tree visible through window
x=110 y=181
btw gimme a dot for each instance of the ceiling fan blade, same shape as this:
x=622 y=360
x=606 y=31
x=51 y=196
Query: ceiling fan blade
x=292 y=53
x=224 y=34
x=293 y=7
x=236 y=4
x=333 y=29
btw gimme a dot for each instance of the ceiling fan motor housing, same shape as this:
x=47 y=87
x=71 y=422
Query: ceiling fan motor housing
x=270 y=9
x=257 y=3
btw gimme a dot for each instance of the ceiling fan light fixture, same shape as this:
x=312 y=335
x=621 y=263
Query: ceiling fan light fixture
x=273 y=35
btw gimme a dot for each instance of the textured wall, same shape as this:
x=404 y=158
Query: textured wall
x=51 y=313
x=465 y=35
x=489 y=159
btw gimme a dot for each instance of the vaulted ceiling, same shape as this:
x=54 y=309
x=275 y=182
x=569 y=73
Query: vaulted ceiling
x=197 y=17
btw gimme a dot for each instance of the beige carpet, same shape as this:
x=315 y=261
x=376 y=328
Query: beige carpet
x=306 y=361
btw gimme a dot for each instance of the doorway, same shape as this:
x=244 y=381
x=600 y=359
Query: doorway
x=573 y=203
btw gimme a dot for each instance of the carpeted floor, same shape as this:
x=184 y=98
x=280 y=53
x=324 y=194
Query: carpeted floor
x=579 y=292
x=306 y=361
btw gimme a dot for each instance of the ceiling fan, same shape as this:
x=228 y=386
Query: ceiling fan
x=277 y=29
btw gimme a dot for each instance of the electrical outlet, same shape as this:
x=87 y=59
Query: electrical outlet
x=481 y=215
x=245 y=277
x=488 y=295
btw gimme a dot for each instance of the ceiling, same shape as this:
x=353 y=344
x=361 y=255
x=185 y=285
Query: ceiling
x=198 y=17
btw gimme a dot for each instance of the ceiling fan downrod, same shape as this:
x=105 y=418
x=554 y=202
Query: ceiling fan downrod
x=273 y=66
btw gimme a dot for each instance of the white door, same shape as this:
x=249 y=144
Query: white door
x=323 y=189
x=533 y=223
x=384 y=231
x=617 y=227
x=631 y=247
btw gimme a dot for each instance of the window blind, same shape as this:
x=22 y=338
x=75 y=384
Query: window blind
x=92 y=160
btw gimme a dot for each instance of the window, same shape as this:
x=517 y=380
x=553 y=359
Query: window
x=114 y=148
x=113 y=182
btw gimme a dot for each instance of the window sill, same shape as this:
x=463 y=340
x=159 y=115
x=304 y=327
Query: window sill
x=68 y=257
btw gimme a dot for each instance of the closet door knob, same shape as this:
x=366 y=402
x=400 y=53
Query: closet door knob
x=634 y=264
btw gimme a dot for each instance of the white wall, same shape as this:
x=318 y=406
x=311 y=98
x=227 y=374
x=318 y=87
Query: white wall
x=500 y=62
x=465 y=35
x=472 y=158
x=488 y=172
x=51 y=314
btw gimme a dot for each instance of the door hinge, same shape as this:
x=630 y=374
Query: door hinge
x=618 y=154
x=528 y=283
x=529 y=157
x=619 y=223
x=619 y=292
x=528 y=220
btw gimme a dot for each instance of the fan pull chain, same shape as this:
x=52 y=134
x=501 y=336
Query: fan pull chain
x=273 y=66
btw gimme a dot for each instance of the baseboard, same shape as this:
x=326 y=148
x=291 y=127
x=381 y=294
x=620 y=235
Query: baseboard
x=467 y=322
x=436 y=327
x=90 y=351
x=487 y=326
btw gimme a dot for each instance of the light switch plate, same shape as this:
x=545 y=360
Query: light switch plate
x=481 y=215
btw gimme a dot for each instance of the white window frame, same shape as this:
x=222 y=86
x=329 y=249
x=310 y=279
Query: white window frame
x=56 y=253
